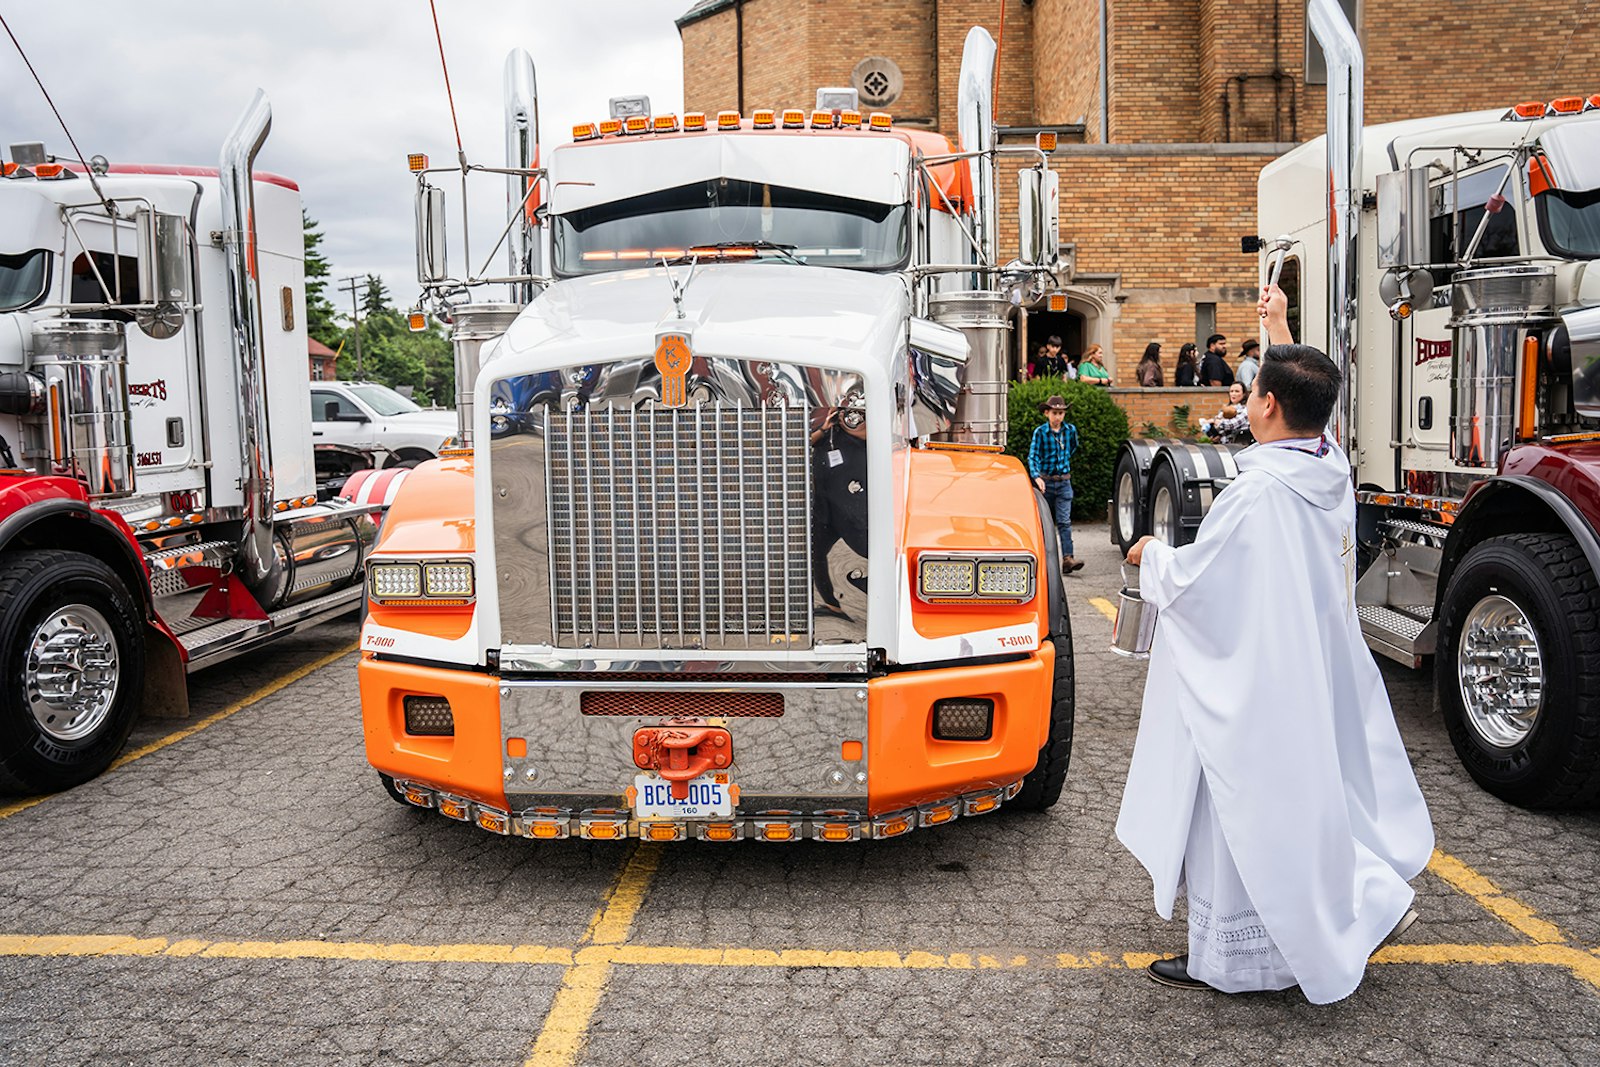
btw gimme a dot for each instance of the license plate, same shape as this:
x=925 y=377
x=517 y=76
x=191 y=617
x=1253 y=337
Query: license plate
x=709 y=795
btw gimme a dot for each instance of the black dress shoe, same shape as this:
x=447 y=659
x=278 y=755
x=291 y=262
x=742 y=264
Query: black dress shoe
x=1175 y=972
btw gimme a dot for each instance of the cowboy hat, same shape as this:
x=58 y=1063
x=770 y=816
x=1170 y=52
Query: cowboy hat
x=1055 y=403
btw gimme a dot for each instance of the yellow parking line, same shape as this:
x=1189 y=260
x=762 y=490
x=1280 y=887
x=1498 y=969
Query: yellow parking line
x=8 y=810
x=1508 y=909
x=112 y=945
x=1105 y=607
x=566 y=1027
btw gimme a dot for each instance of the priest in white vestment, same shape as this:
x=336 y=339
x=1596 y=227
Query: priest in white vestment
x=1268 y=775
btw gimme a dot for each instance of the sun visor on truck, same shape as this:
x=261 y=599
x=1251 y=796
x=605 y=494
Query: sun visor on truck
x=860 y=166
x=1573 y=151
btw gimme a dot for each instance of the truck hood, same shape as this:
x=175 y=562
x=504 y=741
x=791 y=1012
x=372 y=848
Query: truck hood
x=794 y=314
x=424 y=420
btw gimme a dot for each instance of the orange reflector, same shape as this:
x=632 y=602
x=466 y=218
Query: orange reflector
x=517 y=747
x=793 y=118
x=694 y=121
x=493 y=821
x=835 y=831
x=822 y=120
x=417 y=321
x=282 y=505
x=1527 y=425
x=717 y=831
x=417 y=797
x=942 y=814
x=893 y=827
x=604 y=831
x=764 y=118
x=728 y=120
x=545 y=830
x=417 y=162
x=777 y=831
x=1045 y=140
x=585 y=131
x=1533 y=109
x=983 y=804
x=610 y=127
x=152 y=525
x=880 y=120
x=48 y=170
x=453 y=808
x=636 y=124
x=850 y=751
x=850 y=120
x=193 y=519
x=661 y=831
x=665 y=124
x=1057 y=302
x=1566 y=105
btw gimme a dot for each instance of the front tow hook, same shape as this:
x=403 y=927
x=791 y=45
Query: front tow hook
x=680 y=750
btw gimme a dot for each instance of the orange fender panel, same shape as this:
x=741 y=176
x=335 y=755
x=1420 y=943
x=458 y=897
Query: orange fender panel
x=469 y=763
x=907 y=766
x=432 y=515
x=972 y=501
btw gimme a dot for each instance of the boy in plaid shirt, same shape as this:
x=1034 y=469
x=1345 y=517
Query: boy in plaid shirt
x=1050 y=464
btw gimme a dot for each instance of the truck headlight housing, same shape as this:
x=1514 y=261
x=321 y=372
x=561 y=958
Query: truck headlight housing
x=441 y=582
x=945 y=579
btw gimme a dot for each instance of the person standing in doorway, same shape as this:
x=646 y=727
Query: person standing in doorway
x=1050 y=464
x=1268 y=775
x=1214 y=368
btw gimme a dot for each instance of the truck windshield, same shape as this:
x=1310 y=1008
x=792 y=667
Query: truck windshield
x=779 y=223
x=383 y=400
x=1570 y=223
x=23 y=278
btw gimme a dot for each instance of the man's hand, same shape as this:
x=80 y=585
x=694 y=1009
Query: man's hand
x=1136 y=553
x=1273 y=307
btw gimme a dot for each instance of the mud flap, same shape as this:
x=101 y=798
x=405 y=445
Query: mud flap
x=166 y=685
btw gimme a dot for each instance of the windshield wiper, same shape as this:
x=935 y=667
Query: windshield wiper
x=756 y=248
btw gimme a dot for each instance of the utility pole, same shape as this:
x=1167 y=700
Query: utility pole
x=354 y=286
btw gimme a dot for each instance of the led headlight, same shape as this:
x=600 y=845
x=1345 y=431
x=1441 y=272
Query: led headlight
x=1005 y=578
x=946 y=577
x=395 y=581
x=448 y=579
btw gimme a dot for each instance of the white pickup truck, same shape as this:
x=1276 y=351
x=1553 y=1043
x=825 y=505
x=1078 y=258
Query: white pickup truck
x=375 y=419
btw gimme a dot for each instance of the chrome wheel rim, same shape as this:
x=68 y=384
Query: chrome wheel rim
x=1163 y=516
x=1500 y=671
x=71 y=672
x=1125 y=507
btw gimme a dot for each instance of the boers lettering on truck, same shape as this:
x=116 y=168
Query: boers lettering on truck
x=732 y=551
x=158 y=508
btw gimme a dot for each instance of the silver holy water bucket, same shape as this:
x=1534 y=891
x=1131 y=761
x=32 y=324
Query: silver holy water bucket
x=1135 y=626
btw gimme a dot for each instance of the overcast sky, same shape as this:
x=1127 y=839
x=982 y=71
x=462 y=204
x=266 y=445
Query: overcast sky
x=354 y=86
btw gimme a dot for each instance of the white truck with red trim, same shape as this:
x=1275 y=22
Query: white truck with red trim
x=158 y=504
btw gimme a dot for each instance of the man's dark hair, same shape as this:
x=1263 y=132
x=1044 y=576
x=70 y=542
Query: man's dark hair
x=1249 y=346
x=1305 y=383
x=1214 y=338
x=1054 y=340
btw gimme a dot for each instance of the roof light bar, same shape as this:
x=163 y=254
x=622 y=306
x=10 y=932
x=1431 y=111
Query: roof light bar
x=850 y=119
x=585 y=131
x=694 y=121
x=665 y=124
x=610 y=127
x=49 y=170
x=1533 y=109
x=729 y=120
x=1566 y=105
x=794 y=119
x=764 y=118
x=636 y=124
x=881 y=121
x=822 y=120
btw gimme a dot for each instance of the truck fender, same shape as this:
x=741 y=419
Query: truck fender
x=1513 y=503
x=99 y=536
x=1203 y=470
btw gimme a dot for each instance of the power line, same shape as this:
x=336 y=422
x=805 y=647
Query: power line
x=357 y=283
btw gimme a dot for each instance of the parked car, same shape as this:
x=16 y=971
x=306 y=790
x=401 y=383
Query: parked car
x=375 y=419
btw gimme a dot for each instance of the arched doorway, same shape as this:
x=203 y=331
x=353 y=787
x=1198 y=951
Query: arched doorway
x=1091 y=307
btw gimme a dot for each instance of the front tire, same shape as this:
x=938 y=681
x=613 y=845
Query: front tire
x=1042 y=787
x=1517 y=673
x=72 y=664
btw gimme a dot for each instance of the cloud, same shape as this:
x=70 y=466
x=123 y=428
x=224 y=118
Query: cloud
x=355 y=85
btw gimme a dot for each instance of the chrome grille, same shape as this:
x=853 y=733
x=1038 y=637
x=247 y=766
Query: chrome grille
x=679 y=527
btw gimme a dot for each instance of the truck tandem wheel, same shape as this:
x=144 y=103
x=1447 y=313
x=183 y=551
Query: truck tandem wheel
x=1126 y=507
x=1166 y=505
x=73 y=664
x=1517 y=674
x=1042 y=787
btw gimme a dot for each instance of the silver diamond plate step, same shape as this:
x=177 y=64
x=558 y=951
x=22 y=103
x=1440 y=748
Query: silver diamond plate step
x=230 y=637
x=1417 y=529
x=1402 y=636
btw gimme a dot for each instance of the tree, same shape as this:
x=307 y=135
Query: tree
x=393 y=355
x=377 y=298
x=320 y=316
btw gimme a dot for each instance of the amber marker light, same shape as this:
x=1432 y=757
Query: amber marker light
x=881 y=121
x=585 y=131
x=1533 y=109
x=728 y=120
x=665 y=124
x=1057 y=302
x=601 y=831
x=417 y=161
x=49 y=170
x=636 y=124
x=1588 y=105
x=1566 y=105
x=694 y=122
x=717 y=831
x=850 y=120
x=1045 y=140
x=822 y=120
x=1527 y=425
x=610 y=127
x=794 y=119
x=764 y=118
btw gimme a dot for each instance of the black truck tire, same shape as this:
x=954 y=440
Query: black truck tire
x=1165 y=507
x=1520 y=607
x=1042 y=787
x=1127 y=507
x=72 y=660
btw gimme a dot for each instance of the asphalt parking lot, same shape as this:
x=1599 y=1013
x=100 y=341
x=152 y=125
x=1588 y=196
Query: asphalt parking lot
x=241 y=890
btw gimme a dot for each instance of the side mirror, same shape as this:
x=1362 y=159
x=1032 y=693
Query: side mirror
x=1403 y=217
x=330 y=411
x=164 y=277
x=431 y=248
x=1039 y=215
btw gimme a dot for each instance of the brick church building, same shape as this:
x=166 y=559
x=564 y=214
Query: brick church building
x=1167 y=111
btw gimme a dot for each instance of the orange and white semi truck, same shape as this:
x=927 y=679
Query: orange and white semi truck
x=731 y=550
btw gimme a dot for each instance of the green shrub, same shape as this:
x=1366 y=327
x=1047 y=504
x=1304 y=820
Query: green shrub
x=1102 y=427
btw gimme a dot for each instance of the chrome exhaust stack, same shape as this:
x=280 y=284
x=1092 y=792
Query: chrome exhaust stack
x=1346 y=72
x=256 y=555
x=522 y=153
x=471 y=327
